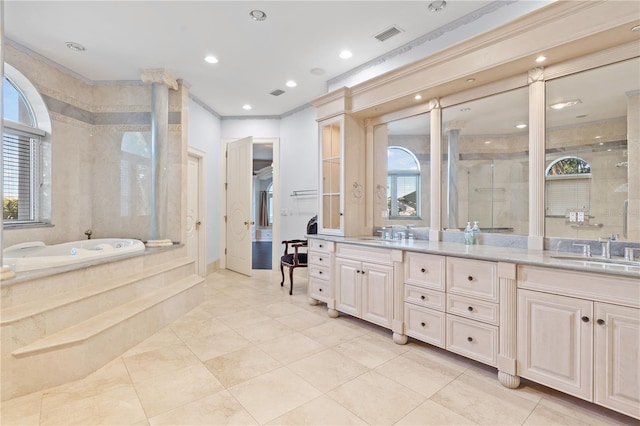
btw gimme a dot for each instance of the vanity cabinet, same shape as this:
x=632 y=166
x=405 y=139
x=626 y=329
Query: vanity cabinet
x=320 y=270
x=575 y=334
x=341 y=192
x=364 y=283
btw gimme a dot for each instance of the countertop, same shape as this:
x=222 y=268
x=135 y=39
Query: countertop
x=568 y=261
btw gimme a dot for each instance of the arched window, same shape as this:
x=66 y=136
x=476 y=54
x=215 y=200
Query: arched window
x=568 y=186
x=403 y=183
x=25 y=161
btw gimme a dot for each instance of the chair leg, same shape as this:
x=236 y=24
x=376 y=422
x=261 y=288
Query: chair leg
x=291 y=281
x=282 y=272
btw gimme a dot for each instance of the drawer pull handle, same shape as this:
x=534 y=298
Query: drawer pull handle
x=423 y=270
x=320 y=290
x=320 y=245
x=423 y=324
x=470 y=308
x=320 y=272
x=422 y=297
x=585 y=319
x=600 y=321
x=469 y=339
x=470 y=278
x=320 y=259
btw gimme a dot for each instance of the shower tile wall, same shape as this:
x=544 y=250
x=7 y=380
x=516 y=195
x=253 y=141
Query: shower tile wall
x=88 y=124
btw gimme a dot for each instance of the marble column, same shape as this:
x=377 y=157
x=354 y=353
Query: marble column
x=537 y=129
x=436 y=170
x=453 y=166
x=633 y=166
x=161 y=81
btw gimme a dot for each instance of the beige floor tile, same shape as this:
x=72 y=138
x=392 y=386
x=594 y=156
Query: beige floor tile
x=280 y=309
x=236 y=367
x=411 y=371
x=219 y=344
x=118 y=406
x=24 y=410
x=273 y=394
x=332 y=333
x=195 y=328
x=291 y=348
x=149 y=364
x=321 y=411
x=369 y=351
x=485 y=401
x=162 y=338
x=328 y=369
x=303 y=320
x=265 y=331
x=243 y=318
x=173 y=389
x=221 y=408
x=376 y=399
x=559 y=411
x=432 y=413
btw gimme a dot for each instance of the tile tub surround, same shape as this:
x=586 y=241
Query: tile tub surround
x=225 y=374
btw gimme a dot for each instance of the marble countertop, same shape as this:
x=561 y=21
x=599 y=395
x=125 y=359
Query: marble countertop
x=552 y=259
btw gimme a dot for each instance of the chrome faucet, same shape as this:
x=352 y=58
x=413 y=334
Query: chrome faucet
x=629 y=253
x=88 y=233
x=606 y=247
x=586 y=249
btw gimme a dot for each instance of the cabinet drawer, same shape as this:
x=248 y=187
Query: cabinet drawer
x=424 y=297
x=424 y=270
x=319 y=289
x=320 y=245
x=472 y=339
x=319 y=272
x=473 y=278
x=473 y=308
x=424 y=324
x=319 y=259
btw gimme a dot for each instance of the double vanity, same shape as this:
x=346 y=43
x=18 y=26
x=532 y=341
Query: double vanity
x=564 y=322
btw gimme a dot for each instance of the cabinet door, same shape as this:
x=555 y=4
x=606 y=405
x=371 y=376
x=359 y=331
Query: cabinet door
x=331 y=159
x=348 y=286
x=377 y=294
x=617 y=352
x=555 y=341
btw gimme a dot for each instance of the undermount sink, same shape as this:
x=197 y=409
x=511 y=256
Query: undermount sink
x=597 y=260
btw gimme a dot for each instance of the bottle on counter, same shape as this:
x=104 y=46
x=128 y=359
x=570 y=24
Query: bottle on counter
x=468 y=234
x=475 y=230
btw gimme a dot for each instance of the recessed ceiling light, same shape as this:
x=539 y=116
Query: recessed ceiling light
x=75 y=46
x=487 y=142
x=246 y=107
x=437 y=6
x=346 y=54
x=521 y=126
x=211 y=59
x=601 y=143
x=561 y=105
x=417 y=97
x=291 y=83
x=258 y=15
x=471 y=80
x=540 y=59
x=609 y=150
x=598 y=137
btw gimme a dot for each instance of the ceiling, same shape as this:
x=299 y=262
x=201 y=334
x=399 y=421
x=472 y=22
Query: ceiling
x=122 y=38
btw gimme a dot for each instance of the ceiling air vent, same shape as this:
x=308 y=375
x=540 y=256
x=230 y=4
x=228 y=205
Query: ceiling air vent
x=277 y=92
x=388 y=33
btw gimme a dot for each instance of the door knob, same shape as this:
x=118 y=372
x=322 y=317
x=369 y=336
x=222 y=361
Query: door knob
x=198 y=223
x=248 y=223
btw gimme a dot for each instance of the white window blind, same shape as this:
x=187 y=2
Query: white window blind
x=21 y=166
x=564 y=195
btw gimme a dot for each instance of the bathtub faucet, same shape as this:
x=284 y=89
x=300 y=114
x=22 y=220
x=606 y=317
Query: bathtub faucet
x=88 y=233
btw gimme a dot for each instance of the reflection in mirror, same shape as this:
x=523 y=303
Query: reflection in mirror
x=402 y=172
x=486 y=163
x=593 y=116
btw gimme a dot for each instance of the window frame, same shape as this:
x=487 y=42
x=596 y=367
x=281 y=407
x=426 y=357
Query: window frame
x=392 y=186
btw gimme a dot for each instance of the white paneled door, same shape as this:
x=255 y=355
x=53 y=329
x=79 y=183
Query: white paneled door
x=195 y=237
x=238 y=192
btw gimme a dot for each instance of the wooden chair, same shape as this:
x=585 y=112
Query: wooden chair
x=296 y=259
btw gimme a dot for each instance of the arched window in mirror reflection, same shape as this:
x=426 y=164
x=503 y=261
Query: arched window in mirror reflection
x=270 y=202
x=568 y=181
x=135 y=174
x=403 y=183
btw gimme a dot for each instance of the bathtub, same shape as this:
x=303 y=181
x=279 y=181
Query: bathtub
x=36 y=255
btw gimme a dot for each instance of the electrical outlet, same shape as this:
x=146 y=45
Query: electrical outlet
x=580 y=217
x=572 y=216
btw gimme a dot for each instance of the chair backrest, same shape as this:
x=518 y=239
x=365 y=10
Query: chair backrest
x=312 y=225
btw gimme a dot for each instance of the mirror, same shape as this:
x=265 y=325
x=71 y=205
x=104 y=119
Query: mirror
x=594 y=117
x=485 y=145
x=402 y=172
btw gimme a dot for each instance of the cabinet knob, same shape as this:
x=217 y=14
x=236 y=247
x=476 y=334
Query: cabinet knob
x=319 y=272
x=320 y=259
x=469 y=339
x=585 y=319
x=470 y=308
x=600 y=321
x=320 y=290
x=357 y=271
x=423 y=270
x=422 y=297
x=470 y=278
x=320 y=245
x=423 y=324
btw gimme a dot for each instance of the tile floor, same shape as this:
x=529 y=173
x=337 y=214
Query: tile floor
x=251 y=354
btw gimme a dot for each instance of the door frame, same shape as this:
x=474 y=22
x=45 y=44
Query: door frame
x=200 y=156
x=275 y=229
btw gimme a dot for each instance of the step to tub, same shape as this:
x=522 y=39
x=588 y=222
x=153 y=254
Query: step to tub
x=13 y=314
x=93 y=327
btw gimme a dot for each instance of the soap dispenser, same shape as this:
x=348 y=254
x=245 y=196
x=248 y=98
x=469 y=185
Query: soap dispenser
x=468 y=234
x=475 y=230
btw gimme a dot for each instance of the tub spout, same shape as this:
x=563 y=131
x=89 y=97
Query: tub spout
x=88 y=233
